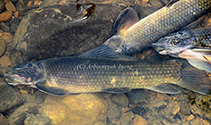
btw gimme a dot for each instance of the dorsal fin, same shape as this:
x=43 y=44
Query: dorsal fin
x=171 y=3
x=107 y=51
x=126 y=19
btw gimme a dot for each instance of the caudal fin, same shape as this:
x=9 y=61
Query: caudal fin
x=196 y=80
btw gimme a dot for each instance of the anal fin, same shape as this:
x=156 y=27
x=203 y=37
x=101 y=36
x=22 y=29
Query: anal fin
x=117 y=90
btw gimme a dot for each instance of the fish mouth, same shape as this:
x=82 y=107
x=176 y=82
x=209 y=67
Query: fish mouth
x=14 y=79
x=160 y=49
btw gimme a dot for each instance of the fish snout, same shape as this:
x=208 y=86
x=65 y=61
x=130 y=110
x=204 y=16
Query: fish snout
x=161 y=49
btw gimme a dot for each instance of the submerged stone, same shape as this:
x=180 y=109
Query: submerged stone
x=9 y=97
x=74 y=109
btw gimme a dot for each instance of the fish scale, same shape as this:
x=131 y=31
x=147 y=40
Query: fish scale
x=64 y=73
x=162 y=22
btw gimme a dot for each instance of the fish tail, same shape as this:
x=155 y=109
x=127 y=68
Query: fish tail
x=196 y=80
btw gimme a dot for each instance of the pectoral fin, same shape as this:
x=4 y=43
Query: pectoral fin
x=51 y=90
x=171 y=3
x=165 y=88
x=126 y=19
x=200 y=64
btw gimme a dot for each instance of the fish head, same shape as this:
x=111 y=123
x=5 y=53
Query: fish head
x=174 y=43
x=25 y=74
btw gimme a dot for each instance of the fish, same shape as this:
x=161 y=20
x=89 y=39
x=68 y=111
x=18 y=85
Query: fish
x=132 y=35
x=193 y=45
x=75 y=75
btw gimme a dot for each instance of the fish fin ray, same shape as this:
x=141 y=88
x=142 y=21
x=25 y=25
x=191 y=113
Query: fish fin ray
x=195 y=80
x=165 y=88
x=107 y=51
x=51 y=90
x=200 y=64
x=117 y=90
x=125 y=19
x=170 y=3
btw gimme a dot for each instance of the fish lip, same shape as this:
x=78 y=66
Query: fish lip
x=160 y=49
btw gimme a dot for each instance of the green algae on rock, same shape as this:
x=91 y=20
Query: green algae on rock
x=74 y=109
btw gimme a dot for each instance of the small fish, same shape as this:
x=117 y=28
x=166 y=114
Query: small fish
x=73 y=75
x=132 y=34
x=193 y=45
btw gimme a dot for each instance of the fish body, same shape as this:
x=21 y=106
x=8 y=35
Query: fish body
x=193 y=45
x=83 y=75
x=132 y=35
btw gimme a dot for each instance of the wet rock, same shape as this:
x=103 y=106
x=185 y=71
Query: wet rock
x=7 y=37
x=20 y=5
x=138 y=120
x=52 y=26
x=114 y=112
x=19 y=115
x=36 y=120
x=14 y=25
x=86 y=108
x=6 y=1
x=10 y=7
x=3 y=120
x=5 y=61
x=176 y=109
x=126 y=118
x=204 y=103
x=6 y=15
x=9 y=97
x=2 y=47
x=2 y=4
x=4 y=27
x=136 y=96
x=99 y=123
x=190 y=117
x=121 y=99
x=185 y=108
x=16 y=14
x=39 y=97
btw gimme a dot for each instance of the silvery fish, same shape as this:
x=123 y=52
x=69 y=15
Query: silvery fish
x=132 y=35
x=193 y=45
x=72 y=75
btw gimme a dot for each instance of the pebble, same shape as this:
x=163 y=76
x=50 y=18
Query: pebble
x=6 y=1
x=10 y=7
x=9 y=98
x=121 y=99
x=32 y=119
x=7 y=37
x=3 y=120
x=2 y=47
x=190 y=117
x=4 y=27
x=6 y=15
x=1 y=5
x=19 y=115
x=5 y=61
x=126 y=118
x=114 y=113
x=138 y=120
x=16 y=14
x=185 y=108
x=176 y=109
x=99 y=123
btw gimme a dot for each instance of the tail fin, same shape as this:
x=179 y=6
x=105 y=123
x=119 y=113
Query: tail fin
x=196 y=80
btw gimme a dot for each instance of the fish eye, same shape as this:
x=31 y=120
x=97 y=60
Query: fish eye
x=30 y=65
x=180 y=33
x=175 y=42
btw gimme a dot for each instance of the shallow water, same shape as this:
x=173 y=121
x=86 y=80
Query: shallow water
x=39 y=36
